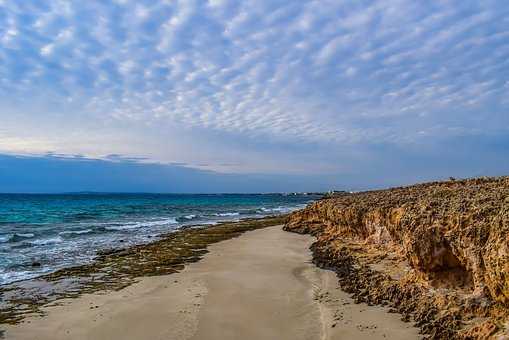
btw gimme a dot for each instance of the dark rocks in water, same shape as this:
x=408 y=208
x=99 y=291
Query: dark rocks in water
x=114 y=251
x=36 y=264
x=107 y=252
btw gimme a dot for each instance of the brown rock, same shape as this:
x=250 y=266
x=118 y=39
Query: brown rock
x=448 y=243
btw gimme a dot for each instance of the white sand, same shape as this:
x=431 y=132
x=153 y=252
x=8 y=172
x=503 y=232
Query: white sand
x=260 y=285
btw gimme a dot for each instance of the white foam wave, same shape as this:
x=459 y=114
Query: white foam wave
x=4 y=239
x=123 y=227
x=25 y=235
x=228 y=214
x=137 y=225
x=171 y=220
x=47 y=241
x=75 y=232
x=278 y=209
x=9 y=277
x=282 y=209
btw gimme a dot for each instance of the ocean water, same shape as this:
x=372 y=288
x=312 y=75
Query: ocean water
x=57 y=231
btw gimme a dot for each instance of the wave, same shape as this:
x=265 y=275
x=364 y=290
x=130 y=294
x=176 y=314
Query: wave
x=24 y=235
x=227 y=214
x=137 y=225
x=13 y=276
x=122 y=227
x=171 y=220
x=4 y=239
x=282 y=209
x=278 y=209
x=18 y=237
x=75 y=232
x=46 y=241
x=186 y=218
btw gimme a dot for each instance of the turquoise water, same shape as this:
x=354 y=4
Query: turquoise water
x=57 y=231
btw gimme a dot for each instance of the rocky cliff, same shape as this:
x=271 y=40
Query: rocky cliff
x=438 y=253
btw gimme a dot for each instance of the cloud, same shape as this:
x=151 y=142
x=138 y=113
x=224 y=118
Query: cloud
x=346 y=73
x=126 y=175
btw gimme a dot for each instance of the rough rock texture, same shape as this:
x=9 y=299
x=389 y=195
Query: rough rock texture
x=438 y=253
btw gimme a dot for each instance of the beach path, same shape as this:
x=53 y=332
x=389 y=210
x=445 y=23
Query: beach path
x=261 y=285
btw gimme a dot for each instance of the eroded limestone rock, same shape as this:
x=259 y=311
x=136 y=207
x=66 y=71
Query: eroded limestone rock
x=452 y=237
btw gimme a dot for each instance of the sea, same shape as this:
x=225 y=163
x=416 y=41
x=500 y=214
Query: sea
x=40 y=234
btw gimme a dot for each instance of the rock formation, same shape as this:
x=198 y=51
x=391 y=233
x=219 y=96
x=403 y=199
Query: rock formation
x=438 y=253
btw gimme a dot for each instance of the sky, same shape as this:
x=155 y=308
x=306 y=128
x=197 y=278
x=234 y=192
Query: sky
x=253 y=95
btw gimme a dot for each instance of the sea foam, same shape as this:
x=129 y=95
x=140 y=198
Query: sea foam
x=227 y=214
x=76 y=232
x=46 y=241
x=137 y=225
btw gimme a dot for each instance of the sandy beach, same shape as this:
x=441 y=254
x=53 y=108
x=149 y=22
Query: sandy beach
x=261 y=285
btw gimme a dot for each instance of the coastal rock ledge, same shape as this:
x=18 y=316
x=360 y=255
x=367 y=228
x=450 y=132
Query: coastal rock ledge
x=437 y=253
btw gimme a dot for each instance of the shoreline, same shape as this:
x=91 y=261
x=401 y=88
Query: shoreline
x=118 y=268
x=50 y=232
x=261 y=285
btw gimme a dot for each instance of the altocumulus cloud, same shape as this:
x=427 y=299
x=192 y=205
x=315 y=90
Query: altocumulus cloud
x=338 y=78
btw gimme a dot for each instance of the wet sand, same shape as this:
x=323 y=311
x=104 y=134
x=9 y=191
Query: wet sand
x=261 y=285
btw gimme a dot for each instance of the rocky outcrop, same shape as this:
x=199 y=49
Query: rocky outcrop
x=438 y=253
